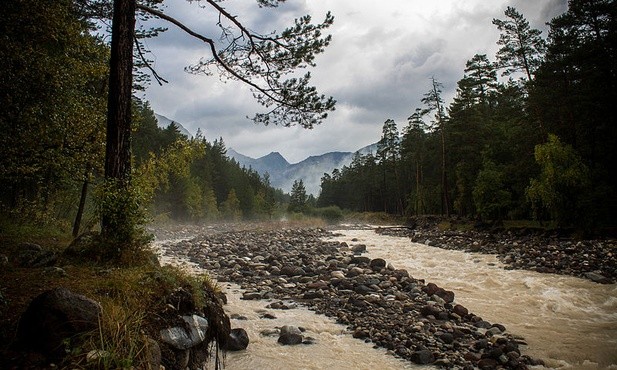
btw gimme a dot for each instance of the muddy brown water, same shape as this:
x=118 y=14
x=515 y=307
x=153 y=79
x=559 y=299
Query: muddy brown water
x=570 y=323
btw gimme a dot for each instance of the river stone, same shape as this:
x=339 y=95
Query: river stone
x=377 y=264
x=446 y=295
x=423 y=357
x=358 y=260
x=251 y=295
x=337 y=274
x=180 y=338
x=431 y=288
x=482 y=324
x=313 y=294
x=238 y=340
x=430 y=310
x=292 y=270
x=487 y=364
x=597 y=278
x=359 y=248
x=460 y=310
x=447 y=338
x=290 y=335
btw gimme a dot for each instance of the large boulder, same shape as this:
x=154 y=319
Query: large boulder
x=53 y=317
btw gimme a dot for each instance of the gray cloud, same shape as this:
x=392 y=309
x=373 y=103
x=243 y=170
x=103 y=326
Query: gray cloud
x=377 y=67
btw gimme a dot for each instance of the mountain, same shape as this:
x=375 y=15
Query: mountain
x=164 y=122
x=271 y=163
x=310 y=171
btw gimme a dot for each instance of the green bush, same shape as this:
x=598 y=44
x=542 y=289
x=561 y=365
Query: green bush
x=331 y=215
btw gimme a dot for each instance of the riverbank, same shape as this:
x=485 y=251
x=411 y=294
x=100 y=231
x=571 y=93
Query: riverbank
x=59 y=309
x=540 y=251
x=415 y=320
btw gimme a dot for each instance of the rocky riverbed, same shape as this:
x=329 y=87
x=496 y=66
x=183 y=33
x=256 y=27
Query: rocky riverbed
x=545 y=252
x=415 y=320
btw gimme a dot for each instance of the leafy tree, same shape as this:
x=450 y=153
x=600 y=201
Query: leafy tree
x=230 y=208
x=259 y=60
x=562 y=187
x=210 y=208
x=522 y=47
x=489 y=194
x=575 y=91
x=53 y=101
x=298 y=200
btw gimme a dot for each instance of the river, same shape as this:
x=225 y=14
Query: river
x=570 y=323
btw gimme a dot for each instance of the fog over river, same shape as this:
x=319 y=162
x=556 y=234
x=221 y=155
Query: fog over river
x=570 y=323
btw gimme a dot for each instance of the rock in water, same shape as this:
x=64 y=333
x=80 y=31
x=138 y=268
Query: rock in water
x=290 y=335
x=53 y=317
x=597 y=278
x=238 y=340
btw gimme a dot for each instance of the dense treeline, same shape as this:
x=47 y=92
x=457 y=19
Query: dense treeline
x=54 y=103
x=541 y=144
x=191 y=179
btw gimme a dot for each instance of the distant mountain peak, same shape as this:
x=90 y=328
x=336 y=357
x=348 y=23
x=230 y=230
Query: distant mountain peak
x=164 y=122
x=310 y=170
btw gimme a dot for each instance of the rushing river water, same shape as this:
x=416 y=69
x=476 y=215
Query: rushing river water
x=568 y=322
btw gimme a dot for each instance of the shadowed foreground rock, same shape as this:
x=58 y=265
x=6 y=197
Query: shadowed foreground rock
x=53 y=317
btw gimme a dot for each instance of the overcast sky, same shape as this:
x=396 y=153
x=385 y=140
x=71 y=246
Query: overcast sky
x=377 y=67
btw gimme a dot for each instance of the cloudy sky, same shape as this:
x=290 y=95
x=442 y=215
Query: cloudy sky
x=377 y=67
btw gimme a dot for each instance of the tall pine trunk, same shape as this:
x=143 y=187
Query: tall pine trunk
x=444 y=177
x=118 y=148
x=82 y=202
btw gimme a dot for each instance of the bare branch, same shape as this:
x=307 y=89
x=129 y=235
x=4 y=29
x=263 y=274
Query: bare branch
x=156 y=76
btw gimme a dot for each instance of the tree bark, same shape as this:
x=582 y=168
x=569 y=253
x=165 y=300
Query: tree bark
x=82 y=203
x=118 y=148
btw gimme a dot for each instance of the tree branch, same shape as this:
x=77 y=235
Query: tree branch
x=213 y=50
x=156 y=76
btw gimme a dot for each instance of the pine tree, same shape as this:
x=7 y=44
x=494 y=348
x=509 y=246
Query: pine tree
x=522 y=47
x=298 y=200
x=435 y=104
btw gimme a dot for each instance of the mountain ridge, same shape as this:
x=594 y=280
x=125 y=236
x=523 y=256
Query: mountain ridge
x=310 y=170
x=283 y=173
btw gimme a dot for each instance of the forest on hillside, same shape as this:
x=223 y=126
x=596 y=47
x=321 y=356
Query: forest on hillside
x=529 y=135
